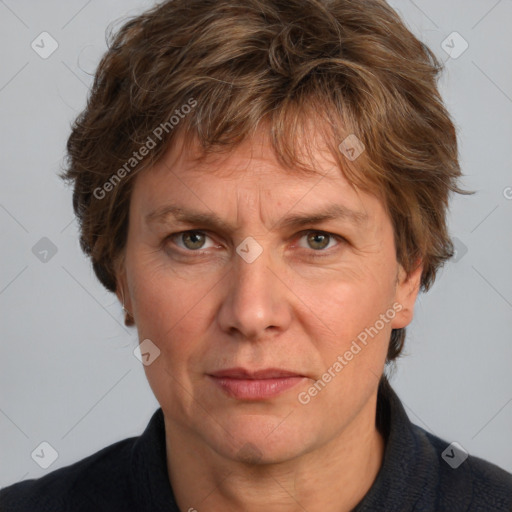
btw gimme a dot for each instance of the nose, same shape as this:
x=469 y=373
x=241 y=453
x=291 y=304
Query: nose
x=256 y=302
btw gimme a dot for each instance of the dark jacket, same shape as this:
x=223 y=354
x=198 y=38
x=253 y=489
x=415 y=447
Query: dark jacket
x=131 y=475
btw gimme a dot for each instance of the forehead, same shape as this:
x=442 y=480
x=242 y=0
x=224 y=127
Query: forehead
x=253 y=159
x=230 y=184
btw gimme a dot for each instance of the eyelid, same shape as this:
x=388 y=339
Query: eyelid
x=173 y=236
x=321 y=252
x=299 y=235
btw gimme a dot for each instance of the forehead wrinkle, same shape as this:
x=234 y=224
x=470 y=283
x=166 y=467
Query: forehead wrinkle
x=284 y=220
x=245 y=199
x=210 y=219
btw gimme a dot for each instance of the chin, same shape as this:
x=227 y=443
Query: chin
x=259 y=439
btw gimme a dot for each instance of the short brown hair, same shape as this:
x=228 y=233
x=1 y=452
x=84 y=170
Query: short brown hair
x=242 y=64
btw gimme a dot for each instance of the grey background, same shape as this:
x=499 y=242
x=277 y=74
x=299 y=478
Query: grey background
x=68 y=375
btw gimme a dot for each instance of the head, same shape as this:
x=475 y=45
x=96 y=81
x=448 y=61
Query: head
x=250 y=112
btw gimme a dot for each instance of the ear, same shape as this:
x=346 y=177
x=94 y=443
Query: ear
x=122 y=286
x=120 y=292
x=407 y=289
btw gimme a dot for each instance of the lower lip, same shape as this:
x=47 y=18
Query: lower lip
x=256 y=389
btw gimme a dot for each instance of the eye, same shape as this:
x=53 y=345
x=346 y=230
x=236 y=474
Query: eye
x=319 y=240
x=191 y=240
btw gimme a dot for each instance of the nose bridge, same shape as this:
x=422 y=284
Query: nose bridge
x=255 y=298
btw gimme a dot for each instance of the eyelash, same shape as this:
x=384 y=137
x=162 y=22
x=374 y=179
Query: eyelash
x=320 y=253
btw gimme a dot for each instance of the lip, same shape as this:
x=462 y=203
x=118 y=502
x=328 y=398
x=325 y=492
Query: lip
x=255 y=385
x=266 y=373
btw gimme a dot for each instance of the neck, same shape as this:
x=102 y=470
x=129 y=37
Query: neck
x=333 y=478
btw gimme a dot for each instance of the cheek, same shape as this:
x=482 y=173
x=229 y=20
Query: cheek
x=158 y=294
x=352 y=310
x=350 y=303
x=169 y=314
x=163 y=306
x=172 y=310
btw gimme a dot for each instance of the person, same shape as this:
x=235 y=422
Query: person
x=264 y=186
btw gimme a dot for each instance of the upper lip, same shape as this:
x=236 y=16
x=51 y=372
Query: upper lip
x=266 y=373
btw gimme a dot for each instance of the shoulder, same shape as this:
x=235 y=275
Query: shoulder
x=423 y=472
x=69 y=488
x=483 y=484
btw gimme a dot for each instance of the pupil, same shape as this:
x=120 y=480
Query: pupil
x=323 y=238
x=195 y=238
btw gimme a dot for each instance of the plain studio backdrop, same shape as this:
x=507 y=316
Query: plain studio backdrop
x=68 y=375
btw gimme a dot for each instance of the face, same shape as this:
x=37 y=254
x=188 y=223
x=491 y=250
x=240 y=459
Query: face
x=238 y=266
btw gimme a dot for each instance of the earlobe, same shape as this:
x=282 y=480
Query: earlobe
x=407 y=290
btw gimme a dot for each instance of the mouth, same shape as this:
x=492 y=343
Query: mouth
x=255 y=385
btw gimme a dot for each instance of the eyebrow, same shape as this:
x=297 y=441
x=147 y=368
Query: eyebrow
x=212 y=221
